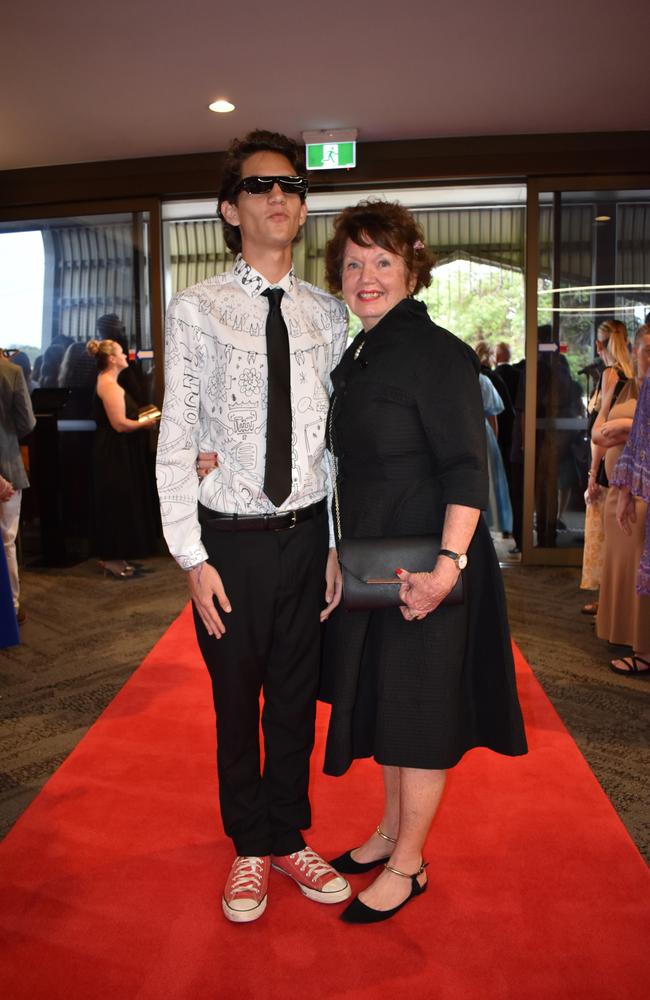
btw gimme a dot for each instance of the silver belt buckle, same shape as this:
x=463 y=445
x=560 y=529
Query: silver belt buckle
x=294 y=519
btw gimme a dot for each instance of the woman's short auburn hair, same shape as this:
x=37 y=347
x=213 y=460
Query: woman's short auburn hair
x=386 y=224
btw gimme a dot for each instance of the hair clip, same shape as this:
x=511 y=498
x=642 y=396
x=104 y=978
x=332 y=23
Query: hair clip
x=418 y=245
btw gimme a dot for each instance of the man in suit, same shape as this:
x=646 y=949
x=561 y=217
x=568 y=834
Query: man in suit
x=16 y=421
x=514 y=378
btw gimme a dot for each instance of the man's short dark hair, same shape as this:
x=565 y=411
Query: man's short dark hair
x=258 y=141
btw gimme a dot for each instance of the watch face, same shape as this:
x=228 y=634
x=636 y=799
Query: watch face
x=462 y=561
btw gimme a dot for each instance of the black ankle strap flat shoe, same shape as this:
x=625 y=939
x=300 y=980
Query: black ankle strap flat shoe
x=346 y=865
x=358 y=913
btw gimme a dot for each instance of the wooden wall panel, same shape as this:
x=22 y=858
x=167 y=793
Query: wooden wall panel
x=423 y=160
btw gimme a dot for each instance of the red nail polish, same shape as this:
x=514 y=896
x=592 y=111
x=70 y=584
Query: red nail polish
x=398 y=571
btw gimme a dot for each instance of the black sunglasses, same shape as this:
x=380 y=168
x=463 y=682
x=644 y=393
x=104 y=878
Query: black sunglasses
x=262 y=185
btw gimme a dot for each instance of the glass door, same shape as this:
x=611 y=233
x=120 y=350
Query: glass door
x=72 y=275
x=588 y=261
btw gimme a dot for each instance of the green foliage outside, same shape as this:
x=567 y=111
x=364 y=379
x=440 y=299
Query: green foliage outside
x=478 y=302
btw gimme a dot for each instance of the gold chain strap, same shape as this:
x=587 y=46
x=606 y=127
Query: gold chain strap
x=330 y=445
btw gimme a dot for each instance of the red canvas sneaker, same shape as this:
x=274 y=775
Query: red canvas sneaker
x=244 y=898
x=313 y=876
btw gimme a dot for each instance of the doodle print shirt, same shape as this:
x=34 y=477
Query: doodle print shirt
x=216 y=399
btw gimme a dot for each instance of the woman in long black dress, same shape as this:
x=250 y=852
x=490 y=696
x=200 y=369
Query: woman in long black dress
x=124 y=512
x=414 y=687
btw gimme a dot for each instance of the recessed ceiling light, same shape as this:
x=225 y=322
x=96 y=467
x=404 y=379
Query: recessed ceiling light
x=221 y=106
x=603 y=218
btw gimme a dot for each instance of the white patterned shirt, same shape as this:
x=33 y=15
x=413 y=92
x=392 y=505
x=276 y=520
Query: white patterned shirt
x=216 y=399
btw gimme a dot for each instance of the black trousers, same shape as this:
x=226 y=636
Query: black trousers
x=275 y=581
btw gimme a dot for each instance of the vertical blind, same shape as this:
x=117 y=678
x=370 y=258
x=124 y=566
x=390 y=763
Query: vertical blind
x=93 y=269
x=488 y=235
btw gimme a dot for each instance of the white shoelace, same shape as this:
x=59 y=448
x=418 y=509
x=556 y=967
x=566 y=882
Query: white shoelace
x=247 y=875
x=310 y=863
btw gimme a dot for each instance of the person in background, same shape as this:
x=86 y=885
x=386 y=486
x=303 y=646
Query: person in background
x=623 y=612
x=22 y=360
x=632 y=477
x=501 y=422
x=9 y=633
x=131 y=378
x=16 y=421
x=124 y=515
x=556 y=470
x=504 y=367
x=36 y=370
x=613 y=350
x=78 y=373
x=52 y=359
x=414 y=687
x=498 y=514
x=508 y=376
x=514 y=376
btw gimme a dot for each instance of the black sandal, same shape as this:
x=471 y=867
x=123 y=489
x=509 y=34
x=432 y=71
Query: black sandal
x=358 y=913
x=633 y=659
x=346 y=864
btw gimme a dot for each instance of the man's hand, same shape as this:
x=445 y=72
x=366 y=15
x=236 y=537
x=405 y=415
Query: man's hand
x=206 y=462
x=333 y=585
x=421 y=593
x=205 y=584
x=625 y=510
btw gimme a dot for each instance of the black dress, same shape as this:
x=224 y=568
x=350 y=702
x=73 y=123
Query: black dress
x=125 y=515
x=409 y=435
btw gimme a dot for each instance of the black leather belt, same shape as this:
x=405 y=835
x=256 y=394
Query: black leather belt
x=258 y=522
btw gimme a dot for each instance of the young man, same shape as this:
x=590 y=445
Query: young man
x=247 y=362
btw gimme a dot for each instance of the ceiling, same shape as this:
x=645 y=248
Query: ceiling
x=83 y=81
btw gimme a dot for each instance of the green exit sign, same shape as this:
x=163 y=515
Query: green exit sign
x=331 y=155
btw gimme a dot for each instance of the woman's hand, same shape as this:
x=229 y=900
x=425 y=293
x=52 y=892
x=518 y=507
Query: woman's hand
x=333 y=585
x=421 y=593
x=625 y=510
x=206 y=462
x=592 y=493
x=616 y=431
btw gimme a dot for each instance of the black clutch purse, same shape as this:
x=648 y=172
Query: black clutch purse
x=368 y=566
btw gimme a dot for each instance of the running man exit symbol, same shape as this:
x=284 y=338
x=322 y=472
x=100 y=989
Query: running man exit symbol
x=330 y=154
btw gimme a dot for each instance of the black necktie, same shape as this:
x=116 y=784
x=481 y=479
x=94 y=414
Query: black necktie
x=277 y=471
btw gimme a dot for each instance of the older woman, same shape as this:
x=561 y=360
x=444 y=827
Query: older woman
x=414 y=687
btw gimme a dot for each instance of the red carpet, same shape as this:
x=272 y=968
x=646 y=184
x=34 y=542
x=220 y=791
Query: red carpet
x=110 y=883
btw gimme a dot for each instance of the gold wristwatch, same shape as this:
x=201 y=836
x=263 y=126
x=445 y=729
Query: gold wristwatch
x=459 y=558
